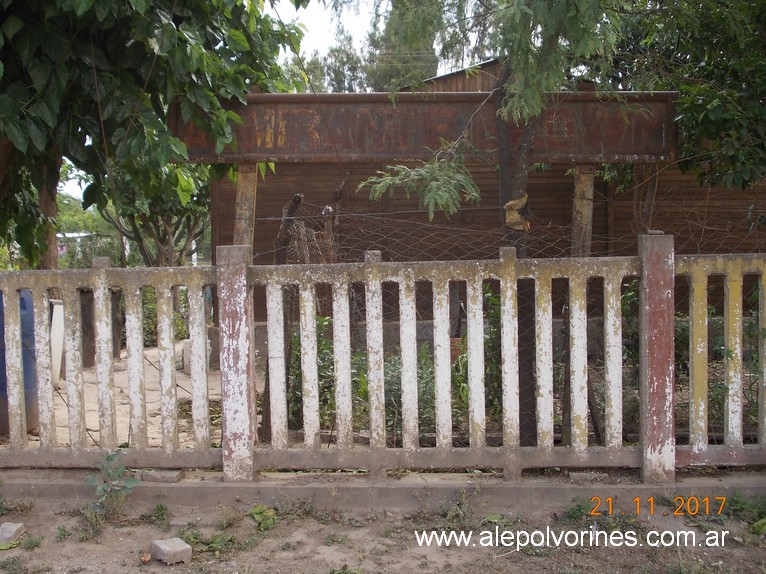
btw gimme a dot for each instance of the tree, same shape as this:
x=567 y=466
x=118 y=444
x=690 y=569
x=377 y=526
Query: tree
x=545 y=46
x=99 y=83
x=403 y=53
x=713 y=53
x=166 y=228
x=344 y=68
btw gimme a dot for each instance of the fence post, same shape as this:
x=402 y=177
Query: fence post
x=237 y=382
x=656 y=365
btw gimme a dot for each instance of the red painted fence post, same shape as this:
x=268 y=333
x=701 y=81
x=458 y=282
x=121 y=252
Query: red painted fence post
x=237 y=382
x=656 y=349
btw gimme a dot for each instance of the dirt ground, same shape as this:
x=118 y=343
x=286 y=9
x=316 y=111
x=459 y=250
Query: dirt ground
x=304 y=539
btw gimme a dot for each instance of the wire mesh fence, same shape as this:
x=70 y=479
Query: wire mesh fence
x=313 y=234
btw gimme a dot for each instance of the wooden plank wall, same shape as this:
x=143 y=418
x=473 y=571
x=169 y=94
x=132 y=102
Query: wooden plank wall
x=550 y=195
x=483 y=78
x=704 y=220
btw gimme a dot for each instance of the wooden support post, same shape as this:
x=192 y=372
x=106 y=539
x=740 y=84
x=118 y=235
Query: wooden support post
x=656 y=366
x=582 y=234
x=582 y=210
x=237 y=382
x=244 y=209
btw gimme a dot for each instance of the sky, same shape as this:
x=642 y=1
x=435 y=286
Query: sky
x=320 y=25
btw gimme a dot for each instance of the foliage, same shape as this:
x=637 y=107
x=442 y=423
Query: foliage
x=493 y=363
x=102 y=240
x=747 y=510
x=149 y=324
x=101 y=84
x=159 y=517
x=403 y=52
x=31 y=542
x=326 y=377
x=714 y=54
x=392 y=384
x=166 y=228
x=630 y=335
x=264 y=517
x=343 y=68
x=112 y=486
x=441 y=183
x=217 y=544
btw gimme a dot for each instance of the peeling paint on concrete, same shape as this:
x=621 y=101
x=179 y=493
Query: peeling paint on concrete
x=409 y=372
x=544 y=359
x=342 y=349
x=134 y=337
x=276 y=350
x=578 y=355
x=658 y=455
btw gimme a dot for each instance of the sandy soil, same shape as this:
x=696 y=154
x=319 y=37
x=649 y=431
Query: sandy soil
x=307 y=540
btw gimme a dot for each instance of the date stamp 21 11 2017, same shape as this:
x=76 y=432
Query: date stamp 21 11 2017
x=681 y=506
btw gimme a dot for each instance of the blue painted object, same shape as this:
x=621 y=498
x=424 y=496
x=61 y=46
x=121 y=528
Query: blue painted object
x=28 y=361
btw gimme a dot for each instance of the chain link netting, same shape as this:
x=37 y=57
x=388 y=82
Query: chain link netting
x=313 y=234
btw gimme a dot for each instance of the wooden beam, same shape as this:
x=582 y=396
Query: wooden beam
x=578 y=127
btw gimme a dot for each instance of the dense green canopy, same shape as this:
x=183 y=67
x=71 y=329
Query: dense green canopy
x=94 y=80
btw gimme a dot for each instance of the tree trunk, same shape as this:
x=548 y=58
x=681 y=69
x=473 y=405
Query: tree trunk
x=644 y=192
x=513 y=172
x=48 y=207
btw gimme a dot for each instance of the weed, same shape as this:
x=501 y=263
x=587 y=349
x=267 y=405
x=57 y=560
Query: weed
x=19 y=506
x=62 y=533
x=459 y=515
x=301 y=508
x=379 y=550
x=159 y=517
x=334 y=538
x=265 y=517
x=190 y=534
x=502 y=522
x=219 y=544
x=31 y=542
x=750 y=511
x=112 y=486
x=228 y=516
x=95 y=519
x=13 y=566
x=577 y=512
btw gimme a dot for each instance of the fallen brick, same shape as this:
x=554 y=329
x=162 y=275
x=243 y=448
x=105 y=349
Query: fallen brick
x=11 y=531
x=171 y=551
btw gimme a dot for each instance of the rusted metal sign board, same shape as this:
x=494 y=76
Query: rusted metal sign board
x=576 y=127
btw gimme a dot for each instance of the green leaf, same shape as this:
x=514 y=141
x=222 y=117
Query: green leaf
x=759 y=527
x=37 y=135
x=17 y=136
x=82 y=6
x=2 y=70
x=9 y=545
x=237 y=40
x=11 y=26
x=90 y=196
x=179 y=148
x=42 y=109
x=132 y=483
x=184 y=188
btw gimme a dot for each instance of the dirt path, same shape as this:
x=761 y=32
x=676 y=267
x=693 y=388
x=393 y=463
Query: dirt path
x=304 y=540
